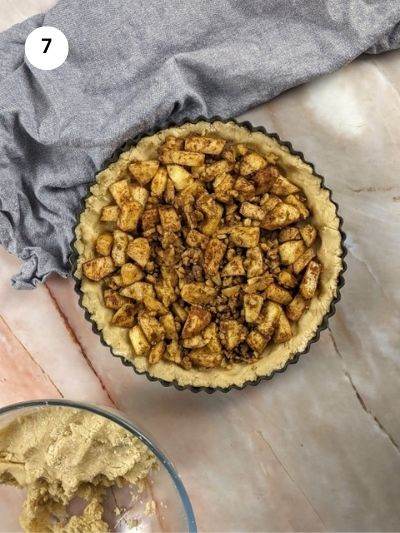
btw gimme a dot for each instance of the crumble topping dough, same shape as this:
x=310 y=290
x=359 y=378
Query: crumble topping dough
x=328 y=253
x=57 y=453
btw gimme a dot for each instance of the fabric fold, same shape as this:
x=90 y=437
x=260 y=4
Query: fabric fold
x=132 y=66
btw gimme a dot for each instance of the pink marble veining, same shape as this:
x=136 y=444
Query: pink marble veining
x=317 y=448
x=21 y=378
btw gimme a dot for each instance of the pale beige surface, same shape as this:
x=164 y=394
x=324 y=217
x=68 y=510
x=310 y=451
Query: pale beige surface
x=57 y=453
x=329 y=253
x=318 y=447
x=14 y=11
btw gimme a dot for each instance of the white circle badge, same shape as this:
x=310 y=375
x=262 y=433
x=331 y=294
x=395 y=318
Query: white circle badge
x=46 y=48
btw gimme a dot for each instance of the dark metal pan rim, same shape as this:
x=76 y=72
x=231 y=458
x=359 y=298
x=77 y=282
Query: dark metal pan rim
x=292 y=360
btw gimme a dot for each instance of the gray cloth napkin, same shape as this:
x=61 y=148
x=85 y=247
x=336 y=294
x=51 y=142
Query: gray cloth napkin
x=135 y=63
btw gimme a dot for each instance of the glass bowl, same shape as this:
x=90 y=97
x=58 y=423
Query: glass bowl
x=173 y=510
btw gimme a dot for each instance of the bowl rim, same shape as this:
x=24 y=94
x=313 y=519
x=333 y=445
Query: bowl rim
x=74 y=255
x=128 y=426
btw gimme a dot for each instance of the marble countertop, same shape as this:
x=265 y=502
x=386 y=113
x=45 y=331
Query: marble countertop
x=318 y=447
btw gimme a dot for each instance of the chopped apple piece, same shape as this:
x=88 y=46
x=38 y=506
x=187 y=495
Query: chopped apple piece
x=139 y=193
x=286 y=279
x=280 y=216
x=139 y=251
x=144 y=171
x=269 y=319
x=309 y=234
x=205 y=145
x=120 y=245
x=180 y=177
x=104 y=244
x=181 y=157
x=109 y=213
x=174 y=143
x=212 y=170
x=213 y=256
x=256 y=341
x=169 y=219
x=197 y=293
x=124 y=317
x=283 y=331
x=140 y=345
x=290 y=251
x=196 y=239
x=246 y=237
x=210 y=356
x=129 y=215
x=120 y=191
x=289 y=234
x=152 y=329
x=99 y=268
x=254 y=262
x=302 y=261
x=245 y=189
x=278 y=294
x=253 y=211
x=113 y=300
x=234 y=267
x=252 y=306
x=138 y=290
x=130 y=273
x=156 y=353
x=169 y=326
x=251 y=162
x=309 y=283
x=197 y=320
x=283 y=187
x=173 y=352
x=150 y=218
x=265 y=178
x=154 y=306
x=232 y=333
x=223 y=188
x=296 y=307
x=159 y=182
x=298 y=204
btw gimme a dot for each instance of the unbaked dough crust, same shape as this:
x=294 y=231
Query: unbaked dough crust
x=57 y=453
x=329 y=253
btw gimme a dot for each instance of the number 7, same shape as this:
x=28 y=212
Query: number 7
x=47 y=45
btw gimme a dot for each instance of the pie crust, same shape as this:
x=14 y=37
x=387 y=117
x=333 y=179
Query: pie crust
x=329 y=253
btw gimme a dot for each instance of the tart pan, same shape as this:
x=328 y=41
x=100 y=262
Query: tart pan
x=324 y=323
